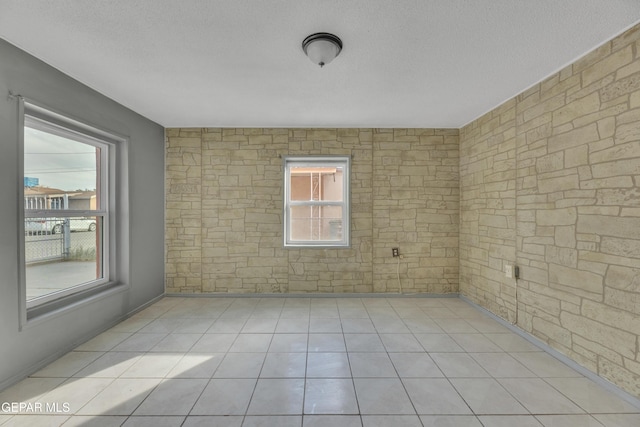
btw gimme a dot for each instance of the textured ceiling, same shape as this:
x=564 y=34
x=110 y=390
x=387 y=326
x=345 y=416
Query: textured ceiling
x=228 y=63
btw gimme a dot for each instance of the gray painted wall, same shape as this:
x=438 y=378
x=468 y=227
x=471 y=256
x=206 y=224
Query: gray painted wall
x=23 y=351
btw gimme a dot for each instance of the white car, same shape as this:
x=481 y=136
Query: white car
x=76 y=224
x=36 y=226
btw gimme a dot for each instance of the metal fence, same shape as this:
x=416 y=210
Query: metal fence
x=46 y=240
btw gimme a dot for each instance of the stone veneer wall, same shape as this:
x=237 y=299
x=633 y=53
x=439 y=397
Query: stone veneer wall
x=488 y=209
x=567 y=151
x=224 y=211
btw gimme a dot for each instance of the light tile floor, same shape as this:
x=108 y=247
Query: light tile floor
x=312 y=362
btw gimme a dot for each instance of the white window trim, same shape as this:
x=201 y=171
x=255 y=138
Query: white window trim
x=38 y=117
x=317 y=161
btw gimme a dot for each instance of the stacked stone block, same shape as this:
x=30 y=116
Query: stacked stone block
x=416 y=208
x=337 y=270
x=228 y=222
x=183 y=211
x=487 y=206
x=577 y=211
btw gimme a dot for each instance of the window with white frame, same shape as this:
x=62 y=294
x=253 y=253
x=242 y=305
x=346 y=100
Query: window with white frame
x=66 y=187
x=316 y=201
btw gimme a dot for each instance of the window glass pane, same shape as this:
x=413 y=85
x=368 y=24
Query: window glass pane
x=62 y=250
x=61 y=253
x=59 y=173
x=314 y=223
x=316 y=183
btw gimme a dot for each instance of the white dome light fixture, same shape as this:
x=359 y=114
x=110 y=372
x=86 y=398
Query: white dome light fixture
x=322 y=48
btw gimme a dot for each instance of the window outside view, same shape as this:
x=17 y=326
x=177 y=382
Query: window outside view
x=317 y=201
x=315 y=221
x=62 y=240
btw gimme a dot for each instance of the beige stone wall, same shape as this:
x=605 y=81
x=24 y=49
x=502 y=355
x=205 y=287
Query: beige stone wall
x=416 y=207
x=577 y=213
x=487 y=209
x=224 y=211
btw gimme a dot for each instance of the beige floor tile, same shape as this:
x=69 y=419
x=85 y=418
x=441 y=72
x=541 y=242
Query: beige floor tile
x=455 y=326
x=272 y=420
x=313 y=362
x=330 y=396
x=544 y=365
x=176 y=342
x=487 y=396
x=332 y=421
x=401 y=343
x=618 y=420
x=213 y=421
x=415 y=365
x=153 y=365
x=353 y=312
x=251 y=343
x=110 y=365
x=324 y=312
x=476 y=343
x=161 y=326
x=328 y=343
x=391 y=420
x=95 y=421
x=214 y=343
x=458 y=365
x=277 y=397
x=172 y=397
x=435 y=396
x=196 y=365
x=288 y=325
x=226 y=326
x=512 y=342
x=539 y=397
x=146 y=421
x=568 y=421
x=590 y=396
x=357 y=326
x=36 y=421
x=106 y=341
x=284 y=365
x=382 y=396
x=451 y=421
x=240 y=365
x=140 y=342
x=260 y=325
x=288 y=343
x=423 y=325
x=225 y=397
x=77 y=392
x=502 y=365
x=371 y=365
x=324 y=325
x=386 y=325
x=68 y=364
x=364 y=343
x=30 y=390
x=328 y=365
x=438 y=343
x=510 y=421
x=194 y=326
x=121 y=397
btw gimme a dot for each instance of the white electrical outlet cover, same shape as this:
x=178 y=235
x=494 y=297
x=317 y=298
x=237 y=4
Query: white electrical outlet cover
x=508 y=271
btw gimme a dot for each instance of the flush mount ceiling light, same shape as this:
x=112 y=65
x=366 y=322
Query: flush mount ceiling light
x=322 y=48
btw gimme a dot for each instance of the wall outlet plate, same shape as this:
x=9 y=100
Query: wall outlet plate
x=395 y=252
x=508 y=271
